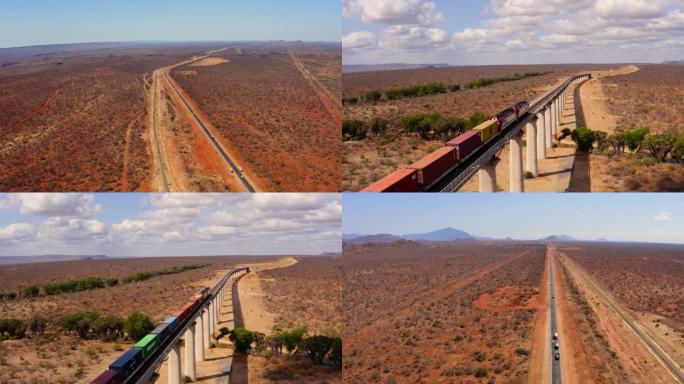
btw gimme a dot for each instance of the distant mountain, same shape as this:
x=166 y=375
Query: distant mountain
x=380 y=238
x=330 y=254
x=559 y=238
x=444 y=234
x=681 y=62
x=388 y=67
x=9 y=260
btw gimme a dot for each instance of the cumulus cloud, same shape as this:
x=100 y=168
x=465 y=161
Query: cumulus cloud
x=70 y=229
x=56 y=204
x=394 y=12
x=545 y=30
x=17 y=232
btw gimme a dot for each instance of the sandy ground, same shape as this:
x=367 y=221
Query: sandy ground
x=254 y=312
x=668 y=338
x=554 y=172
x=574 y=363
x=640 y=363
x=209 y=61
x=593 y=99
x=540 y=358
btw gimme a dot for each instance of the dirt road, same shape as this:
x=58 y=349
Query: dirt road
x=330 y=102
x=593 y=100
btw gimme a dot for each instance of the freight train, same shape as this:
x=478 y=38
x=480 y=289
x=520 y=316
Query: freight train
x=427 y=171
x=123 y=368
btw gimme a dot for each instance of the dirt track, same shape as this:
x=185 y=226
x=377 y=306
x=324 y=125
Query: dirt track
x=594 y=100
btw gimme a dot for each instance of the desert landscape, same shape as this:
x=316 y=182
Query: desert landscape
x=379 y=138
x=117 y=117
x=479 y=311
x=127 y=289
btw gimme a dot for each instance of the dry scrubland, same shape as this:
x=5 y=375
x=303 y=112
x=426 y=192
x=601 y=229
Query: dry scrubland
x=368 y=160
x=440 y=313
x=58 y=358
x=652 y=97
x=76 y=121
x=308 y=294
x=276 y=120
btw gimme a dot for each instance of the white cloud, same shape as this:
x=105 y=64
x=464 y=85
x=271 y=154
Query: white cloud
x=360 y=40
x=663 y=216
x=393 y=12
x=71 y=229
x=17 y=232
x=57 y=204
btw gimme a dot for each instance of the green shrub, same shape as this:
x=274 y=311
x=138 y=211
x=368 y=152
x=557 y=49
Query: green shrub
x=12 y=328
x=37 y=324
x=454 y=88
x=678 y=152
x=372 y=96
x=635 y=138
x=481 y=372
x=317 y=347
x=293 y=339
x=80 y=323
x=31 y=291
x=584 y=138
x=145 y=275
x=112 y=282
x=660 y=145
x=353 y=100
x=76 y=285
x=522 y=351
x=379 y=126
x=242 y=339
x=354 y=129
x=138 y=325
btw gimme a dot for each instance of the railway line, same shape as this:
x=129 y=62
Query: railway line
x=556 y=375
x=671 y=366
x=164 y=174
x=224 y=155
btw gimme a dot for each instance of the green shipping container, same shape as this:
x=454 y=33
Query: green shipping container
x=487 y=130
x=147 y=344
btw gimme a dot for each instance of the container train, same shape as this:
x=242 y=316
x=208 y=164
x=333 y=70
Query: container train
x=428 y=170
x=123 y=367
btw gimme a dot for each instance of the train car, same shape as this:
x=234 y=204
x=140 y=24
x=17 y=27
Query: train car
x=147 y=345
x=205 y=293
x=466 y=144
x=128 y=362
x=505 y=118
x=172 y=321
x=521 y=108
x=430 y=168
x=162 y=332
x=487 y=130
x=185 y=310
x=403 y=180
x=108 y=377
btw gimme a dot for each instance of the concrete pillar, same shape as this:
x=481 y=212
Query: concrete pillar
x=516 y=183
x=548 y=122
x=487 y=174
x=174 y=365
x=190 y=364
x=211 y=317
x=556 y=117
x=541 y=136
x=532 y=163
x=199 y=339
x=205 y=320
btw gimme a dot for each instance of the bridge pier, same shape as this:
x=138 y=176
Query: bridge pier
x=205 y=334
x=199 y=339
x=532 y=164
x=190 y=363
x=541 y=135
x=174 y=365
x=516 y=180
x=487 y=174
x=556 y=120
x=548 y=124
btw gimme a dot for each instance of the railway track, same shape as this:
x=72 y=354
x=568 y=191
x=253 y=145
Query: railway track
x=653 y=347
x=556 y=374
x=237 y=170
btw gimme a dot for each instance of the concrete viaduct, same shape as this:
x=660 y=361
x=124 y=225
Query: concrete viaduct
x=540 y=131
x=541 y=125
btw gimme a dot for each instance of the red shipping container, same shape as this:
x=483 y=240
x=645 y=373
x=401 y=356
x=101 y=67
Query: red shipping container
x=108 y=377
x=185 y=310
x=435 y=165
x=403 y=180
x=466 y=144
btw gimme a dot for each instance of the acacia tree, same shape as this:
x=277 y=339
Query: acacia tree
x=37 y=324
x=660 y=145
x=617 y=142
x=317 y=347
x=275 y=343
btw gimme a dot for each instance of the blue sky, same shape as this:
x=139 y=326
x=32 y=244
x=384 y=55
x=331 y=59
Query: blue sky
x=121 y=224
x=37 y=22
x=482 y=32
x=634 y=217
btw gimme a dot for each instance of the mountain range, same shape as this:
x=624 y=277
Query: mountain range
x=9 y=260
x=440 y=235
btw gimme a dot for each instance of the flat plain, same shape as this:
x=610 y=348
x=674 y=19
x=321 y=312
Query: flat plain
x=479 y=312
